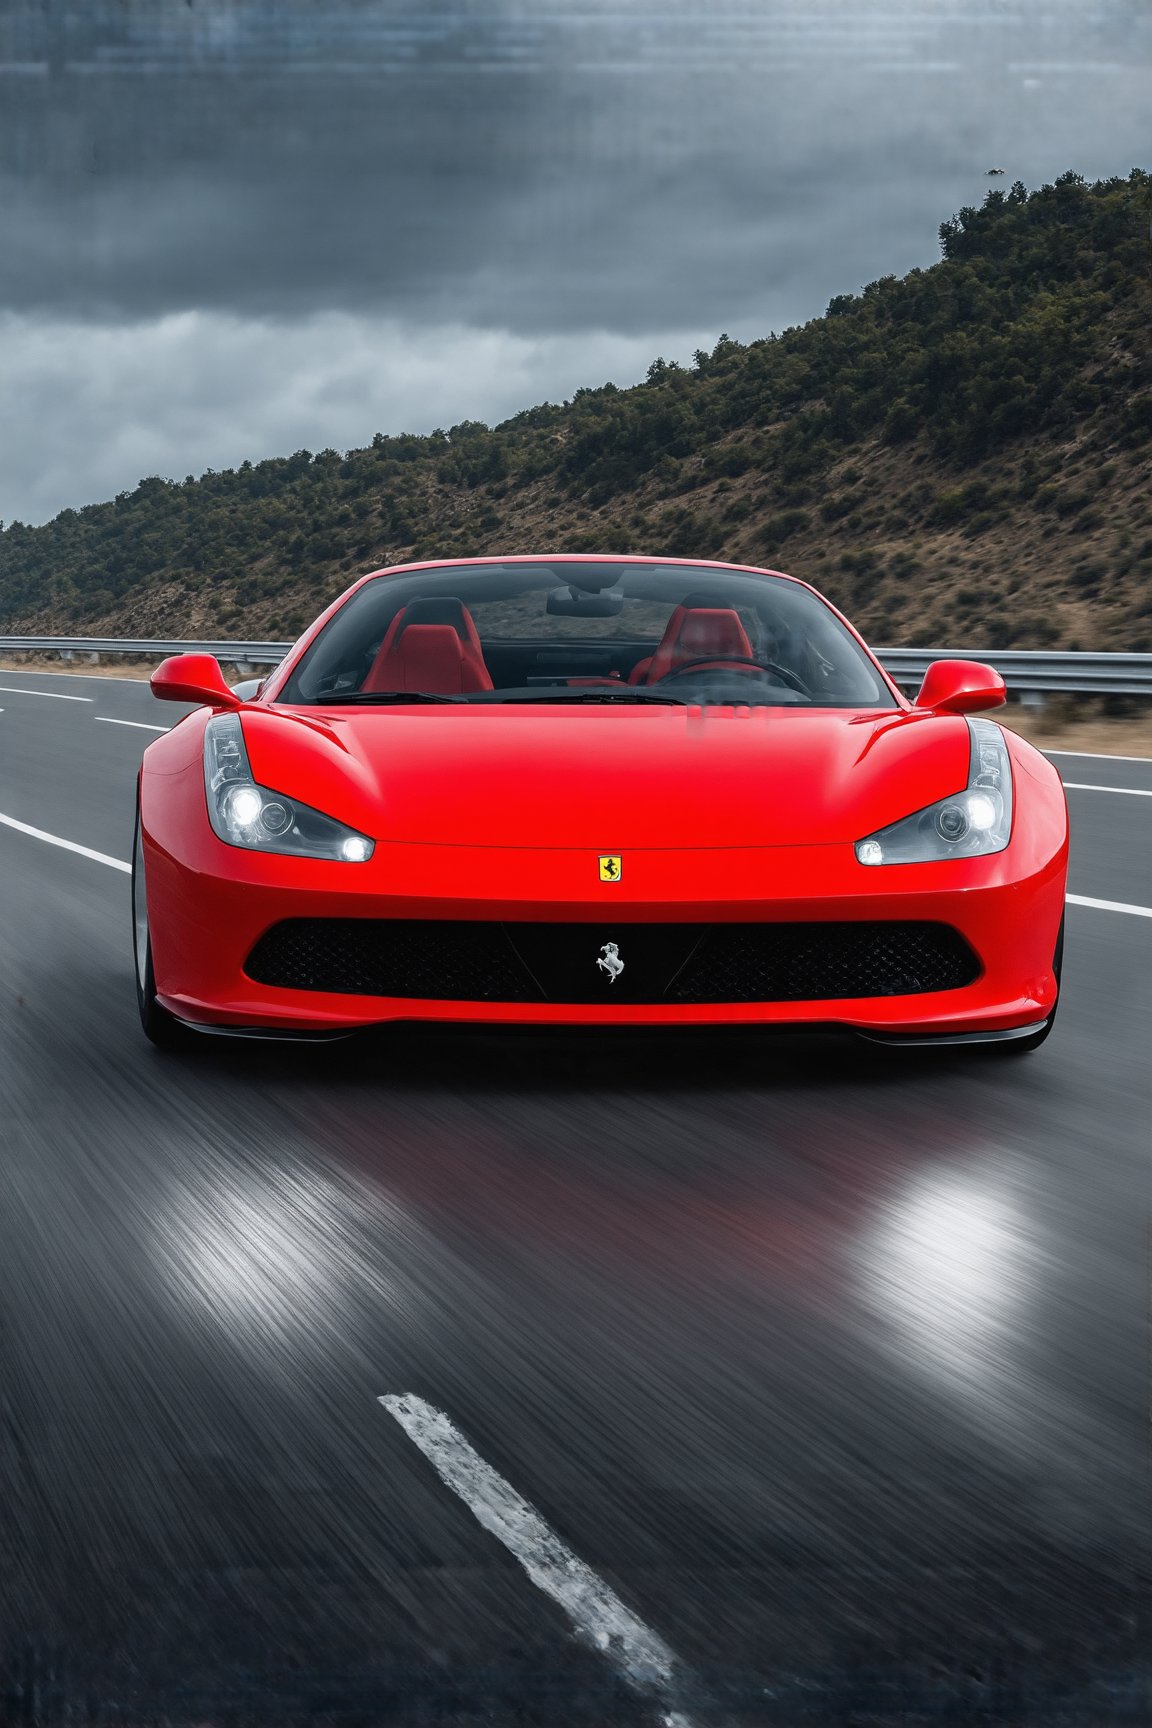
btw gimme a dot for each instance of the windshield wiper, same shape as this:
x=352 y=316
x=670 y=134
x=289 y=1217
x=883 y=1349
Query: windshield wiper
x=597 y=695
x=379 y=698
x=373 y=698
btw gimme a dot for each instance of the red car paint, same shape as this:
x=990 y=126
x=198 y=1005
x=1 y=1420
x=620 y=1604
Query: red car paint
x=501 y=812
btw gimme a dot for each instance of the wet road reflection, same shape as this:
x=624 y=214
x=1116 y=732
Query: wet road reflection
x=950 y=1266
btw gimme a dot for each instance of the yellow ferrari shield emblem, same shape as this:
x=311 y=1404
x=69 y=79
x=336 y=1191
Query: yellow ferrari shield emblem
x=610 y=868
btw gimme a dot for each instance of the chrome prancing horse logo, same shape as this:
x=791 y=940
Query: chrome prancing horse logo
x=610 y=961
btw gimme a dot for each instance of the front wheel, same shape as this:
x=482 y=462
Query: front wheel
x=161 y=1027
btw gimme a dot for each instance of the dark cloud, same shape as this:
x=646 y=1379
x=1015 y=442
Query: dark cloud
x=552 y=170
x=542 y=168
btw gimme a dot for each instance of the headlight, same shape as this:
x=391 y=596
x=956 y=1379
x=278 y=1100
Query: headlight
x=970 y=824
x=248 y=815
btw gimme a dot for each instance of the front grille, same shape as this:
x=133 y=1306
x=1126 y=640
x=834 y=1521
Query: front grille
x=822 y=962
x=390 y=957
x=463 y=961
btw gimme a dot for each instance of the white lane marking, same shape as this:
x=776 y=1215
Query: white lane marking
x=1125 y=791
x=1109 y=905
x=110 y=720
x=597 y=1613
x=49 y=695
x=1097 y=756
x=68 y=845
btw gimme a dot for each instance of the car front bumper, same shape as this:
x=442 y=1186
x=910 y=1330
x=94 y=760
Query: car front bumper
x=210 y=905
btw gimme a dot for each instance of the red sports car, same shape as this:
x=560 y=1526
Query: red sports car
x=591 y=790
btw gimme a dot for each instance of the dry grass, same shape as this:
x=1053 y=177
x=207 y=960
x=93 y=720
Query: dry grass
x=1096 y=737
x=136 y=667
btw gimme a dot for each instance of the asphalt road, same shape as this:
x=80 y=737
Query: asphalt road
x=830 y=1362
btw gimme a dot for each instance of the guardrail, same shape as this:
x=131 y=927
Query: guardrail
x=1041 y=673
x=1076 y=674
x=241 y=653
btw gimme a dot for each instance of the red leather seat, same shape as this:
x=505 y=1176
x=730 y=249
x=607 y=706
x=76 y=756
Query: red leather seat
x=694 y=633
x=426 y=657
x=432 y=645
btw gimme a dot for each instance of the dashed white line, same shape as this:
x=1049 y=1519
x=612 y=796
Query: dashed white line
x=597 y=1613
x=67 y=845
x=48 y=695
x=1097 y=756
x=1109 y=905
x=1124 y=791
x=141 y=725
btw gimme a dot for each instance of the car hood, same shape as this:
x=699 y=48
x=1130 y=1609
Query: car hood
x=609 y=778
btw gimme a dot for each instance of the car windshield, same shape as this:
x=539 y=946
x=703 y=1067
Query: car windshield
x=590 y=632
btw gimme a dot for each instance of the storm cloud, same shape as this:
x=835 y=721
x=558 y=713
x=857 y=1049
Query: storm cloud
x=231 y=228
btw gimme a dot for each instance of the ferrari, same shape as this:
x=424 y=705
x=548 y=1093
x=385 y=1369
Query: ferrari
x=611 y=791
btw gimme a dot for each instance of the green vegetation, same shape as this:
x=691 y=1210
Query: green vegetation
x=965 y=450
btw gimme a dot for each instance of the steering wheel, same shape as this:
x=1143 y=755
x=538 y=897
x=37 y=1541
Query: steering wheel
x=736 y=663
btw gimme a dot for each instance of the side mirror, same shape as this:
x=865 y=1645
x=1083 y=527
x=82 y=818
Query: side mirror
x=961 y=687
x=193 y=678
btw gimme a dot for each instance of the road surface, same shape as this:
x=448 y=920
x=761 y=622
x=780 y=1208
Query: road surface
x=813 y=1372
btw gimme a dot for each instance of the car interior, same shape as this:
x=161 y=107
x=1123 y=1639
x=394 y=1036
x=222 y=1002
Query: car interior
x=734 y=639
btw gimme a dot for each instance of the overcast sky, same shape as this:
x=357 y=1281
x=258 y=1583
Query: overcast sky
x=232 y=228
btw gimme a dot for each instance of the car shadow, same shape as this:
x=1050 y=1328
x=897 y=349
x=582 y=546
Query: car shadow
x=541 y=1060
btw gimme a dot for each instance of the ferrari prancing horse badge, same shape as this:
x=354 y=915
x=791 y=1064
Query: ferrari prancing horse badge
x=610 y=869
x=610 y=961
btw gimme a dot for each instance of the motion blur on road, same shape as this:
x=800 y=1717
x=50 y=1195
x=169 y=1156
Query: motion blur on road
x=830 y=1362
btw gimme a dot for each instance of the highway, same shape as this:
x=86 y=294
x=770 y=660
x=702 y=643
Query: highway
x=815 y=1375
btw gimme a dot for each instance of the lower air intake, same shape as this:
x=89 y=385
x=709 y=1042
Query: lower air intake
x=465 y=961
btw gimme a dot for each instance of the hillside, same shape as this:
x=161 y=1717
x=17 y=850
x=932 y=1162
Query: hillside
x=962 y=455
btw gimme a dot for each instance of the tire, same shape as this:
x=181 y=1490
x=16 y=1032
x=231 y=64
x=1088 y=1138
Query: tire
x=162 y=1028
x=1022 y=1046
